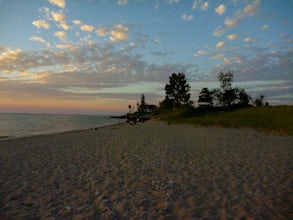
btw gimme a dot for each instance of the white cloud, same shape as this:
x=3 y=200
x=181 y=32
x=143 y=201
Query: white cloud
x=122 y=2
x=41 y=24
x=60 y=76
x=265 y=27
x=58 y=17
x=275 y=53
x=196 y=4
x=10 y=55
x=44 y=10
x=199 y=4
x=204 y=6
x=173 y=1
x=186 y=17
x=220 y=9
x=219 y=31
x=232 y=36
x=112 y=67
x=40 y=75
x=231 y=22
x=248 y=40
x=227 y=61
x=251 y=9
x=3 y=48
x=218 y=56
x=101 y=31
x=200 y=53
x=64 y=26
x=59 y=3
x=69 y=47
x=76 y=22
x=61 y=35
x=220 y=44
x=157 y=5
x=283 y=35
x=87 y=41
x=23 y=73
x=40 y=40
x=86 y=27
x=276 y=65
x=119 y=33
x=157 y=40
x=270 y=43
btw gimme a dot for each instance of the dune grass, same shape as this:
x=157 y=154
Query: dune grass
x=277 y=119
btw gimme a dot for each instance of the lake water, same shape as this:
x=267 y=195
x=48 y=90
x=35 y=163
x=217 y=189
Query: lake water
x=19 y=125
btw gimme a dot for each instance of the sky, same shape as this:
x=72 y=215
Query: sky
x=99 y=56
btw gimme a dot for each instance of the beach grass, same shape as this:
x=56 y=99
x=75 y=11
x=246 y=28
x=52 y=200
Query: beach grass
x=277 y=119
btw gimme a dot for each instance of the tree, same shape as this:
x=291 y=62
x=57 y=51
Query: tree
x=166 y=104
x=142 y=105
x=243 y=98
x=205 y=98
x=226 y=79
x=225 y=94
x=259 y=101
x=228 y=96
x=177 y=91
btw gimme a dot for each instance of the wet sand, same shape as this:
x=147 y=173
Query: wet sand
x=148 y=171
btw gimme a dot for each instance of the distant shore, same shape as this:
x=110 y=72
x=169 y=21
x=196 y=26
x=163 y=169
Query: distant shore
x=147 y=171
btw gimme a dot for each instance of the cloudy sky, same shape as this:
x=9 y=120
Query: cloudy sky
x=99 y=56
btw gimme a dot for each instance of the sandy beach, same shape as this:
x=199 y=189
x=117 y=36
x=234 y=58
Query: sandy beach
x=148 y=171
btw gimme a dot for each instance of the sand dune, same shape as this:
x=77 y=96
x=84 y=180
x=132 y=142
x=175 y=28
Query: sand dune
x=148 y=171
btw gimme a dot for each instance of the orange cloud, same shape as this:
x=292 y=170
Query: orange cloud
x=61 y=35
x=76 y=22
x=40 y=40
x=59 y=3
x=231 y=22
x=220 y=44
x=119 y=33
x=58 y=17
x=86 y=27
x=220 y=9
x=232 y=36
x=102 y=31
x=64 y=26
x=10 y=55
x=41 y=24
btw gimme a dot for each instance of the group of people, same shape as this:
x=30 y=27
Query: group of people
x=133 y=121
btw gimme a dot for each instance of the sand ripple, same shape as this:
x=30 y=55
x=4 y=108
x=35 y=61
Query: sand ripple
x=148 y=171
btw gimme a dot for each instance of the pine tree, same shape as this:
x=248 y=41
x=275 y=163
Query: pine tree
x=205 y=98
x=177 y=91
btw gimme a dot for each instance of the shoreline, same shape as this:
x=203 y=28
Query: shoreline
x=147 y=171
x=8 y=138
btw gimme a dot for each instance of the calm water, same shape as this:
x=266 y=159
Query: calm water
x=19 y=125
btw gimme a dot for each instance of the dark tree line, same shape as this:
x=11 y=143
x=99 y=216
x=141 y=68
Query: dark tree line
x=227 y=96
